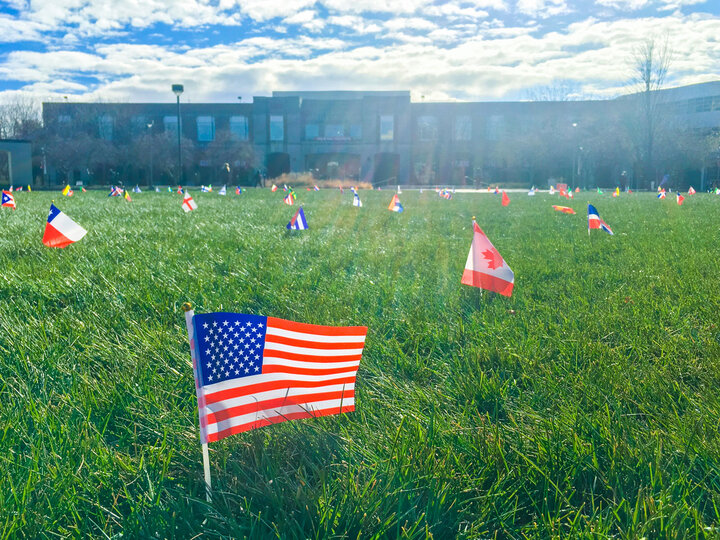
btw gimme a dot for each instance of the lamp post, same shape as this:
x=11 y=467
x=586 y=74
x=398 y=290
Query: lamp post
x=150 y=143
x=574 y=142
x=177 y=90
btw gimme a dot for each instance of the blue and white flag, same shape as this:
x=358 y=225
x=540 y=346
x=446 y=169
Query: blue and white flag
x=298 y=221
x=157 y=189
x=205 y=189
x=136 y=189
x=356 y=201
x=223 y=191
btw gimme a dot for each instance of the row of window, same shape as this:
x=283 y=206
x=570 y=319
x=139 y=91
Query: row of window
x=427 y=128
x=696 y=105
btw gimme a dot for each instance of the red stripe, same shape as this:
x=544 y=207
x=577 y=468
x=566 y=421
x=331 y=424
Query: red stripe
x=317 y=329
x=212 y=437
x=311 y=344
x=488 y=282
x=240 y=391
x=305 y=371
x=54 y=238
x=276 y=403
x=311 y=357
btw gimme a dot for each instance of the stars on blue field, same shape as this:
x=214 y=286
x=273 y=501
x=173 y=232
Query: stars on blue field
x=230 y=345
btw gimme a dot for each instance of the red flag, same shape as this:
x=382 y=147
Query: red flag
x=485 y=268
x=563 y=209
x=680 y=199
x=505 y=199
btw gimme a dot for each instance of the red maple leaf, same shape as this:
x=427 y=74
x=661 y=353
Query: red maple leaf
x=493 y=257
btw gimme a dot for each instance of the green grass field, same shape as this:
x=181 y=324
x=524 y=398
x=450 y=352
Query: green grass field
x=586 y=405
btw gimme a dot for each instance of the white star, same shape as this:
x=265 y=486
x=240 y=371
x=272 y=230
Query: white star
x=237 y=372
x=207 y=338
x=205 y=325
x=247 y=370
x=214 y=323
x=257 y=368
x=227 y=360
x=252 y=363
x=247 y=334
x=235 y=346
x=260 y=325
x=231 y=341
x=210 y=331
x=247 y=357
x=214 y=370
x=225 y=348
x=252 y=340
x=248 y=323
x=230 y=354
x=242 y=364
x=236 y=334
x=209 y=365
x=208 y=351
x=242 y=340
x=225 y=323
x=237 y=323
x=210 y=377
x=212 y=357
x=222 y=355
x=217 y=363
x=247 y=345
x=257 y=357
x=257 y=346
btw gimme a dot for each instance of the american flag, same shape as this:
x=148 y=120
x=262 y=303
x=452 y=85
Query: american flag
x=252 y=371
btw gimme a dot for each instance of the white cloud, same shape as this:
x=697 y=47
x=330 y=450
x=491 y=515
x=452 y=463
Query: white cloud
x=542 y=8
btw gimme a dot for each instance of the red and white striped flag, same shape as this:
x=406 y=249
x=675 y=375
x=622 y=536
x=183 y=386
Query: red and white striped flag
x=252 y=371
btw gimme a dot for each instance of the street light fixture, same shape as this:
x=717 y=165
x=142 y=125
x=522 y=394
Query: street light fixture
x=177 y=90
x=150 y=143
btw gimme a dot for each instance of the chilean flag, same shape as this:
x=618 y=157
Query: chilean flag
x=485 y=268
x=60 y=230
x=298 y=221
x=8 y=200
x=395 y=205
x=594 y=221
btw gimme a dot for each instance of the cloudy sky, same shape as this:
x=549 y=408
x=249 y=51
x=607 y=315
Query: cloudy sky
x=132 y=50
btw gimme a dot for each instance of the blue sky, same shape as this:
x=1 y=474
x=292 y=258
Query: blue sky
x=133 y=50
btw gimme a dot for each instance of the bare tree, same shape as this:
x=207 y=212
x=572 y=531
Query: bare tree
x=19 y=118
x=557 y=90
x=650 y=64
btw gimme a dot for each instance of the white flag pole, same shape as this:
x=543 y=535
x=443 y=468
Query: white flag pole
x=189 y=314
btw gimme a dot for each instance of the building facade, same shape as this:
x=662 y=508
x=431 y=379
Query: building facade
x=384 y=137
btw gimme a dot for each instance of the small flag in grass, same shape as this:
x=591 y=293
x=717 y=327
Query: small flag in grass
x=127 y=196
x=8 y=200
x=661 y=195
x=298 y=221
x=505 y=199
x=289 y=199
x=395 y=205
x=66 y=190
x=356 y=200
x=691 y=191
x=273 y=188
x=188 y=203
x=137 y=189
x=594 y=221
x=680 y=199
x=485 y=268
x=223 y=191
x=563 y=209
x=252 y=371
x=60 y=230
x=238 y=190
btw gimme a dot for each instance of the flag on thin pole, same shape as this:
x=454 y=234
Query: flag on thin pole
x=563 y=209
x=485 y=268
x=680 y=199
x=288 y=199
x=253 y=371
x=691 y=191
x=395 y=205
x=238 y=190
x=188 y=203
x=661 y=195
x=66 y=190
x=273 y=188
x=127 y=196
x=8 y=200
x=594 y=221
x=137 y=189
x=505 y=199
x=298 y=221
x=223 y=190
x=60 y=230
x=356 y=200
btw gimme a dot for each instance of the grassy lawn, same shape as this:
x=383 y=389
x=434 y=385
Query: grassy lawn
x=585 y=405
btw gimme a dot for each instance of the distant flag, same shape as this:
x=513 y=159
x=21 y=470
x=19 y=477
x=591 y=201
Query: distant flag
x=569 y=195
x=19 y=188
x=594 y=221
x=616 y=193
x=680 y=199
x=352 y=188
x=188 y=203
x=238 y=190
x=204 y=189
x=341 y=189
x=505 y=199
x=661 y=195
x=577 y=190
x=563 y=209
x=285 y=188
x=127 y=196
x=288 y=371
x=8 y=199
x=307 y=189
x=399 y=190
x=83 y=189
x=356 y=200
x=70 y=193
x=420 y=190
x=11 y=189
x=29 y=188
x=445 y=194
x=157 y=189
x=170 y=190
x=316 y=188
x=691 y=191
x=273 y=188
x=298 y=221
x=288 y=199
x=600 y=191
x=717 y=191
x=180 y=190
x=485 y=268
x=531 y=193
x=115 y=191
x=497 y=190
x=66 y=190
x=137 y=189
x=60 y=230
x=395 y=205
x=552 y=190
x=223 y=190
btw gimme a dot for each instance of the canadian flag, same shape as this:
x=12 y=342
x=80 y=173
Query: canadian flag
x=188 y=204
x=485 y=268
x=60 y=230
